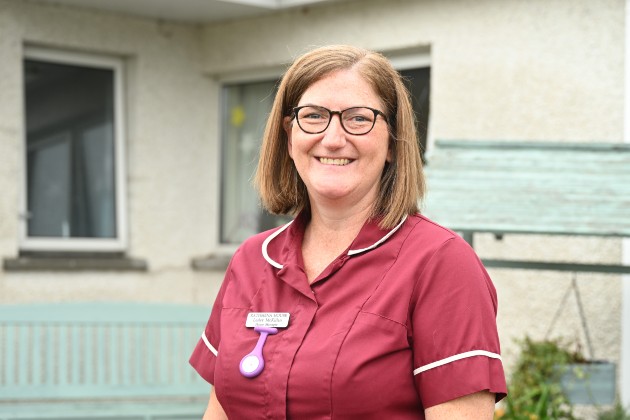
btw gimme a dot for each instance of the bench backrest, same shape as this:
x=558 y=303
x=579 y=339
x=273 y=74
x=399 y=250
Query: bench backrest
x=99 y=351
x=530 y=187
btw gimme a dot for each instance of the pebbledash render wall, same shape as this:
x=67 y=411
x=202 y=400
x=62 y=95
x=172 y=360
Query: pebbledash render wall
x=546 y=70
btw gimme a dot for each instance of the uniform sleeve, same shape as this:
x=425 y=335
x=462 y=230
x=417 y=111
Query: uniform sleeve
x=456 y=348
x=204 y=356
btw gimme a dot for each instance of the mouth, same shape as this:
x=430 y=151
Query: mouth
x=335 y=162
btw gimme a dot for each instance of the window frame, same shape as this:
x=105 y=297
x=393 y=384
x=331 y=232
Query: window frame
x=77 y=245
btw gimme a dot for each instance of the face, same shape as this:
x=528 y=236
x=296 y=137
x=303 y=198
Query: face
x=340 y=168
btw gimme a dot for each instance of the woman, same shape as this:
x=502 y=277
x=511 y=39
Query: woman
x=390 y=316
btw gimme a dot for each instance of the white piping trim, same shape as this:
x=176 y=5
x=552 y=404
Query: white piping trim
x=205 y=340
x=455 y=358
x=266 y=243
x=380 y=241
x=350 y=252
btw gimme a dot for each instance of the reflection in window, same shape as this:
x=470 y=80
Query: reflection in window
x=70 y=150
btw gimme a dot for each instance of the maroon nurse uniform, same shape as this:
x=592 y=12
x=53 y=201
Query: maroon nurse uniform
x=403 y=320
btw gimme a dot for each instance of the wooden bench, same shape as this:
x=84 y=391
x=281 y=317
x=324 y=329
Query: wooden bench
x=508 y=187
x=100 y=360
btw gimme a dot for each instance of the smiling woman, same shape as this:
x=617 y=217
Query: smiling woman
x=369 y=286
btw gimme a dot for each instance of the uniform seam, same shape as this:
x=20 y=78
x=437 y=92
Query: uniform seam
x=428 y=263
x=383 y=317
x=416 y=285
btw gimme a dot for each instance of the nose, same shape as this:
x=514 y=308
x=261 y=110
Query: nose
x=335 y=135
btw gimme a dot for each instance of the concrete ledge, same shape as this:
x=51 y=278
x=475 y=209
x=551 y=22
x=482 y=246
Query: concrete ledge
x=211 y=262
x=73 y=262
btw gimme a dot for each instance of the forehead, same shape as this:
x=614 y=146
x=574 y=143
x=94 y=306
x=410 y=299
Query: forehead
x=341 y=89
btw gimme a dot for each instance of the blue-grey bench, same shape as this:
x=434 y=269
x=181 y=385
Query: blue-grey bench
x=100 y=360
x=527 y=187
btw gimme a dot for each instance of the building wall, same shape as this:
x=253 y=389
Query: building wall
x=170 y=111
x=501 y=70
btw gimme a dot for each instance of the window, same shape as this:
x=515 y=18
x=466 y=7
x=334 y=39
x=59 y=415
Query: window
x=74 y=195
x=244 y=114
x=417 y=81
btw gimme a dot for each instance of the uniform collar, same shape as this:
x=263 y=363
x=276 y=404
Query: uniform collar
x=281 y=245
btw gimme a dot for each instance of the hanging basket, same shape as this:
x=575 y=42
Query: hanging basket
x=590 y=383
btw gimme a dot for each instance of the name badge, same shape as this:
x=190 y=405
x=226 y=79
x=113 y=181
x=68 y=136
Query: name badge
x=267 y=319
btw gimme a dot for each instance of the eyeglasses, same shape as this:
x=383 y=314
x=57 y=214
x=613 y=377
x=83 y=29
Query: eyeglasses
x=357 y=120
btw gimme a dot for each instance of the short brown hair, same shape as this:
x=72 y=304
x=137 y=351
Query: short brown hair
x=402 y=183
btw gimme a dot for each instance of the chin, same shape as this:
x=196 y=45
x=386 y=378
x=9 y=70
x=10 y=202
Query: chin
x=333 y=193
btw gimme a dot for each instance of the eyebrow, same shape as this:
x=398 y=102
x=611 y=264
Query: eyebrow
x=353 y=106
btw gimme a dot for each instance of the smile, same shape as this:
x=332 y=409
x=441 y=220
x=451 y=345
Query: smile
x=337 y=162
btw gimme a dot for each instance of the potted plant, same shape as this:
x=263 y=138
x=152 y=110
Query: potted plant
x=534 y=388
x=549 y=378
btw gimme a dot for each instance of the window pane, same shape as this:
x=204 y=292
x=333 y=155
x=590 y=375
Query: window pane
x=418 y=83
x=70 y=150
x=245 y=111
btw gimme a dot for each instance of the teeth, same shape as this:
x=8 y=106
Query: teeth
x=338 y=162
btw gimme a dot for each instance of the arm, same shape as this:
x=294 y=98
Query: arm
x=214 y=410
x=479 y=405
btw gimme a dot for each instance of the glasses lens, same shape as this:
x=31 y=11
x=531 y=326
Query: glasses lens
x=358 y=120
x=313 y=119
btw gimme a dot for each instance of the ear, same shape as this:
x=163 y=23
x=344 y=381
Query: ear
x=287 y=124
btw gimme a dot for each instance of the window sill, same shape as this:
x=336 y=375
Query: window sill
x=73 y=262
x=211 y=262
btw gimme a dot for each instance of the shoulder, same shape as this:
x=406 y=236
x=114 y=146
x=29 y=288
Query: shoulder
x=438 y=252
x=426 y=236
x=247 y=272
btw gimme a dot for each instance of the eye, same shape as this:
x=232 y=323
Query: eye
x=360 y=118
x=312 y=114
x=358 y=115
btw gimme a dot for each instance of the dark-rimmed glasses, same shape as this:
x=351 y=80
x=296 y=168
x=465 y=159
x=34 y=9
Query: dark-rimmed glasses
x=358 y=120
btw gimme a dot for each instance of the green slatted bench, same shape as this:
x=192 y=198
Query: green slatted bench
x=100 y=360
x=550 y=188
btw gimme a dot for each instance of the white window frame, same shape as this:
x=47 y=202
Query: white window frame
x=54 y=244
x=401 y=60
x=249 y=76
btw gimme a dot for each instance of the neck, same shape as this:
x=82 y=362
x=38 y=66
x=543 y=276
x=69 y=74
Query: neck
x=338 y=221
